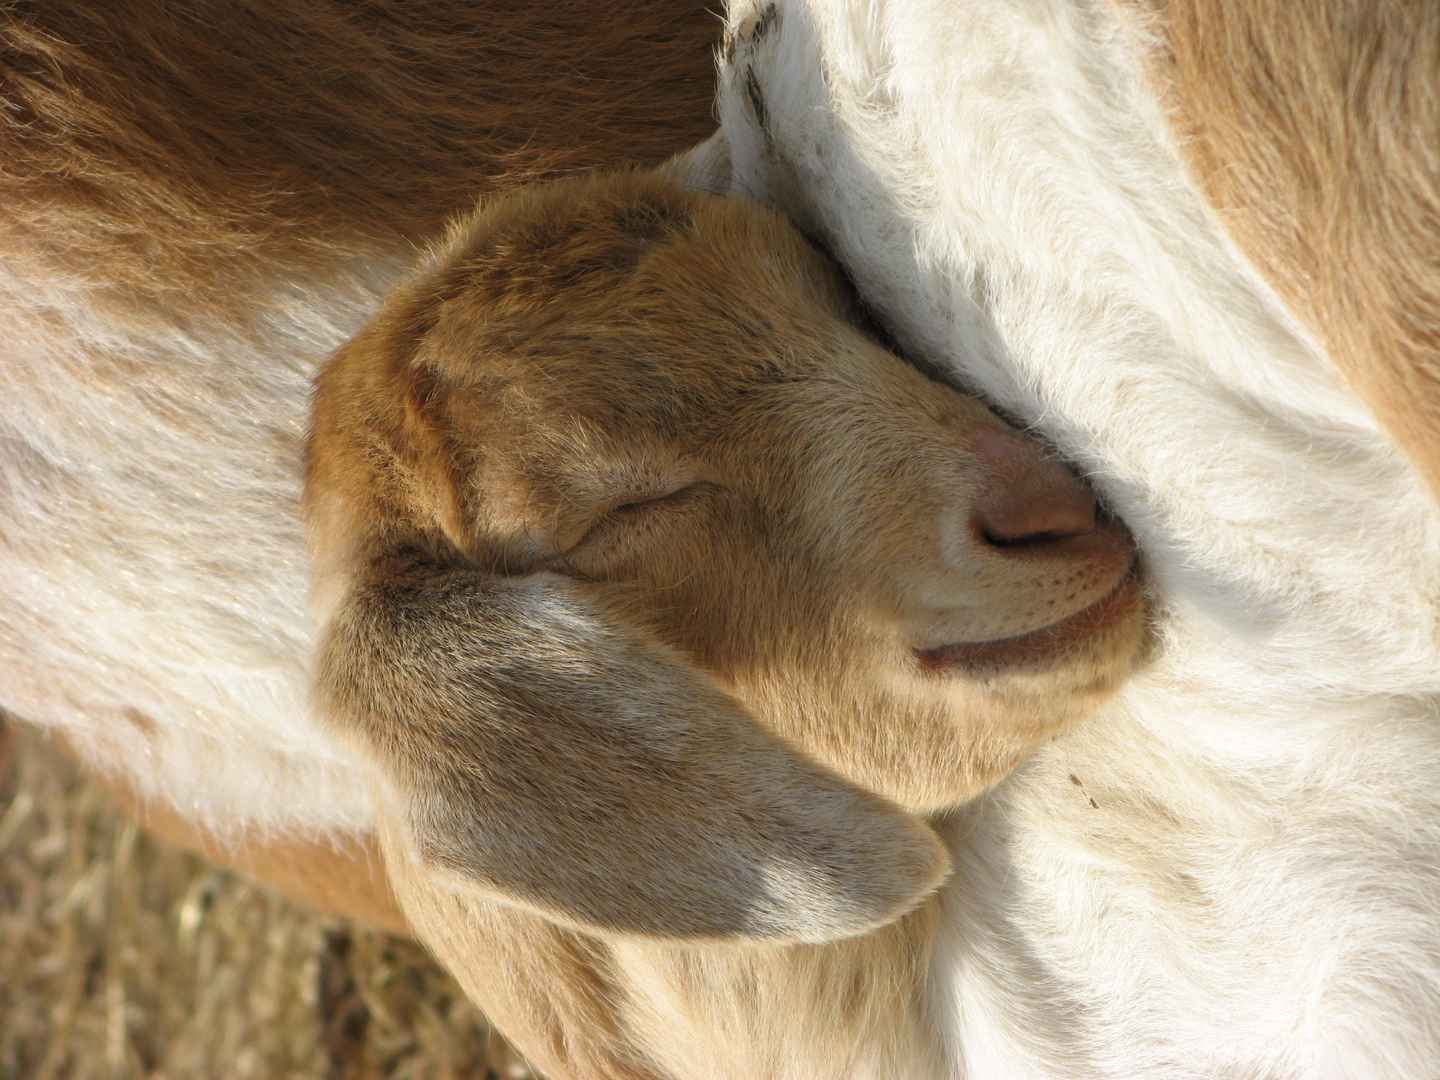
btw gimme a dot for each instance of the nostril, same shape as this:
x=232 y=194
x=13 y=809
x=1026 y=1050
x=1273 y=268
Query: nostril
x=1030 y=498
x=1012 y=527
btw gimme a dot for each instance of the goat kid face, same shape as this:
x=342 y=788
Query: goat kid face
x=885 y=573
x=665 y=404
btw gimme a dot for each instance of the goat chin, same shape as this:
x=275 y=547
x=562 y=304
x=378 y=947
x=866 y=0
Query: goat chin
x=1231 y=871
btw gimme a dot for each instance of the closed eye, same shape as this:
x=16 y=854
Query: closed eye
x=651 y=502
x=641 y=512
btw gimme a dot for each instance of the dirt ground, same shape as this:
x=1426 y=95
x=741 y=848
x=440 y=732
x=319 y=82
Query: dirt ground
x=121 y=958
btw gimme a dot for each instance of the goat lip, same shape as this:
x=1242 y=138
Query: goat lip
x=1045 y=644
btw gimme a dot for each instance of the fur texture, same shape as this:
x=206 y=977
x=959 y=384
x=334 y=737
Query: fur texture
x=271 y=138
x=1228 y=873
x=197 y=203
x=1311 y=132
x=614 y=487
x=1232 y=870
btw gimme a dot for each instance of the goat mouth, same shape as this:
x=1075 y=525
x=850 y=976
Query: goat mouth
x=1047 y=645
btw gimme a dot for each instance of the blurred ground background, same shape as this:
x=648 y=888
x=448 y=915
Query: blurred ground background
x=122 y=957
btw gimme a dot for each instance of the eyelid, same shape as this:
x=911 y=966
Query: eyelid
x=636 y=507
x=637 y=501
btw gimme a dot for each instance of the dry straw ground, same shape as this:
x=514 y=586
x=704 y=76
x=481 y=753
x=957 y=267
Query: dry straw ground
x=121 y=957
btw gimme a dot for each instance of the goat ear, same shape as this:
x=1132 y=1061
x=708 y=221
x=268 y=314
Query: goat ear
x=534 y=752
x=706 y=167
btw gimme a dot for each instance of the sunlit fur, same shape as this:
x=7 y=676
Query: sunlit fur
x=1229 y=872
x=1232 y=870
x=616 y=445
x=198 y=202
x=1310 y=131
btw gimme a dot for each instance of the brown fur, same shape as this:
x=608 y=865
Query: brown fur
x=621 y=524
x=172 y=148
x=1313 y=129
x=191 y=154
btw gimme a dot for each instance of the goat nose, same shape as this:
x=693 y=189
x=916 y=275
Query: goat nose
x=1033 y=499
x=1019 y=525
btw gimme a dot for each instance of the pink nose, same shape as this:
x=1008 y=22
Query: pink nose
x=1033 y=499
x=1031 y=517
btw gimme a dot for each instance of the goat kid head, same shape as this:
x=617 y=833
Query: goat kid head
x=663 y=598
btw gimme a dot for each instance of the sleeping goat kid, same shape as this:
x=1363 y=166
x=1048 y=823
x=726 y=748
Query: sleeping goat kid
x=665 y=603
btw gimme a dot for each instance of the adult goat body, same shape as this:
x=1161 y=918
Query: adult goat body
x=1195 y=245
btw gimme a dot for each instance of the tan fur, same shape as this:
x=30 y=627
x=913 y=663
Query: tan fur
x=590 y=1007
x=642 y=567
x=1313 y=130
x=341 y=875
x=345 y=877
x=189 y=153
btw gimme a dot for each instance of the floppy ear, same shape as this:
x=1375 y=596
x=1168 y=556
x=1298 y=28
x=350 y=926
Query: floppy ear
x=534 y=752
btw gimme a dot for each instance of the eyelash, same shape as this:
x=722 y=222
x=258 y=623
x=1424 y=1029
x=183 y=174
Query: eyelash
x=670 y=496
x=641 y=508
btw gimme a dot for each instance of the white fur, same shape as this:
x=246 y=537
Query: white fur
x=1243 y=877
x=1235 y=871
x=153 y=556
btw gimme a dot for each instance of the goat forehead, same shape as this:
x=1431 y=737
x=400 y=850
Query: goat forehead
x=735 y=416
x=684 y=316
x=605 y=273
x=632 y=378
x=760 y=433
